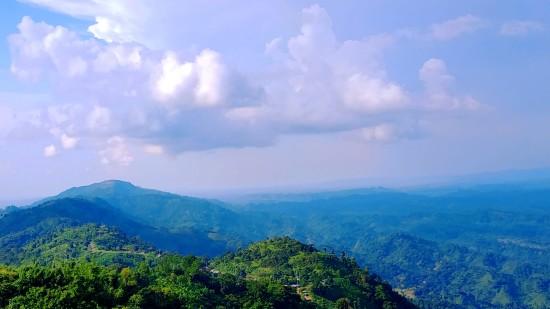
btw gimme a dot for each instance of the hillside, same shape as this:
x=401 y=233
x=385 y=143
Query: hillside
x=19 y=227
x=174 y=281
x=154 y=207
x=217 y=226
x=323 y=278
x=99 y=243
x=476 y=247
x=485 y=247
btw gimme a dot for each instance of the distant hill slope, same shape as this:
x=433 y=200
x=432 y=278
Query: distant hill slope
x=325 y=279
x=161 y=209
x=100 y=243
x=485 y=247
x=19 y=227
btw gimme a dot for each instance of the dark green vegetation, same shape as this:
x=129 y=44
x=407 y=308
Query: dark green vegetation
x=106 y=274
x=324 y=278
x=482 y=248
x=473 y=247
x=175 y=282
x=91 y=242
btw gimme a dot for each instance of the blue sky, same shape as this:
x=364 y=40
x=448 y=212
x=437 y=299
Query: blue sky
x=208 y=95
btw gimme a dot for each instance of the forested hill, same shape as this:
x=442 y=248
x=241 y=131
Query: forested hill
x=174 y=281
x=453 y=247
x=19 y=226
x=154 y=207
x=326 y=279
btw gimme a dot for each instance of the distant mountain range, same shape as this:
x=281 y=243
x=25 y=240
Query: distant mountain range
x=475 y=246
x=539 y=177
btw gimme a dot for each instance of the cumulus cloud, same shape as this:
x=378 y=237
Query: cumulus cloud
x=435 y=76
x=50 y=151
x=122 y=71
x=115 y=21
x=127 y=88
x=203 y=82
x=520 y=27
x=39 y=47
x=169 y=24
x=116 y=152
x=325 y=84
x=372 y=94
x=455 y=27
x=115 y=89
x=99 y=119
x=68 y=142
x=438 y=87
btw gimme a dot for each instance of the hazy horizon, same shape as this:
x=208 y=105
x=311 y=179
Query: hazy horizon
x=204 y=95
x=230 y=194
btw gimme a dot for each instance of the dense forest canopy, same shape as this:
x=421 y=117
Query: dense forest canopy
x=485 y=247
x=106 y=274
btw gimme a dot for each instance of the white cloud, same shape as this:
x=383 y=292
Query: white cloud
x=154 y=149
x=116 y=152
x=316 y=39
x=170 y=24
x=520 y=27
x=39 y=47
x=212 y=79
x=392 y=132
x=178 y=100
x=380 y=133
x=113 y=57
x=99 y=119
x=438 y=87
x=68 y=142
x=455 y=27
x=248 y=114
x=115 y=20
x=122 y=71
x=110 y=31
x=372 y=94
x=173 y=78
x=50 y=151
x=203 y=82
x=322 y=84
x=435 y=77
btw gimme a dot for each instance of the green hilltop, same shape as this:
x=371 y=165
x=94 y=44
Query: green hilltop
x=92 y=266
x=325 y=279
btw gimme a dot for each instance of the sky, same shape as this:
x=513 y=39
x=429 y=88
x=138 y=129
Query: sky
x=185 y=96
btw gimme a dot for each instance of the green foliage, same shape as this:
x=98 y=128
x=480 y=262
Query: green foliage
x=17 y=228
x=176 y=282
x=439 y=249
x=325 y=278
x=484 y=247
x=102 y=244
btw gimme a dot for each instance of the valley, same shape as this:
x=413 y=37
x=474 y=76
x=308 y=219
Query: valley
x=485 y=247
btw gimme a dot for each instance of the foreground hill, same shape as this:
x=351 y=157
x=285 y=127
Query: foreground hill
x=173 y=281
x=325 y=279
